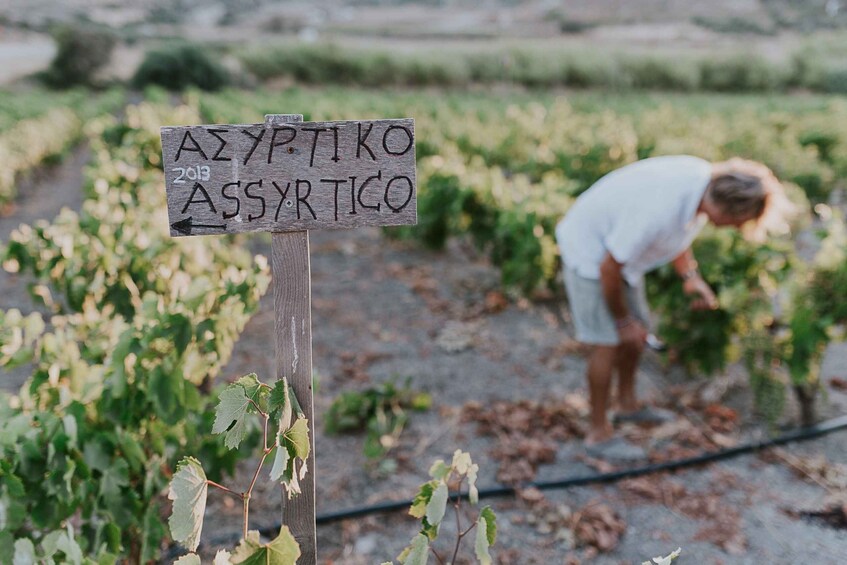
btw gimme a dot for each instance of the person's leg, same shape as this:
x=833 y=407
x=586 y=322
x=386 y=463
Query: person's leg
x=601 y=362
x=626 y=358
x=626 y=362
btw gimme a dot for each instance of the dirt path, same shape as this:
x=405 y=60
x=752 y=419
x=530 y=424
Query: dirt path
x=41 y=195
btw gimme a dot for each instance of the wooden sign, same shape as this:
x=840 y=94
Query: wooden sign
x=288 y=176
x=283 y=176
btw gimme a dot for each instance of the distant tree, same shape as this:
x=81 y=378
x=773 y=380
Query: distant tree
x=81 y=50
x=179 y=66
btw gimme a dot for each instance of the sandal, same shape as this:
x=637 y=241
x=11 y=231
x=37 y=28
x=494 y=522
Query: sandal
x=616 y=449
x=645 y=415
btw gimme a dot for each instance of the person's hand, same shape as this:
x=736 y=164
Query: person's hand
x=707 y=299
x=632 y=333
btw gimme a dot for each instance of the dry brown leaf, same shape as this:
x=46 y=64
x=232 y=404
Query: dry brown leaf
x=725 y=532
x=495 y=301
x=598 y=526
x=528 y=433
x=838 y=384
x=598 y=465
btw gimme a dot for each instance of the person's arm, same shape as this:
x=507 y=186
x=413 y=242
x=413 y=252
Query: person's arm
x=692 y=282
x=630 y=330
x=685 y=265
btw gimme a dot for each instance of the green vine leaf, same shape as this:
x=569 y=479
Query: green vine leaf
x=664 y=560
x=487 y=514
x=296 y=439
x=439 y=470
x=437 y=505
x=280 y=465
x=481 y=544
x=281 y=551
x=419 y=504
x=473 y=491
x=24 y=552
x=252 y=387
x=188 y=490
x=486 y=534
x=294 y=442
x=66 y=543
x=222 y=557
x=280 y=403
x=461 y=462
x=417 y=553
x=190 y=559
x=230 y=415
x=114 y=477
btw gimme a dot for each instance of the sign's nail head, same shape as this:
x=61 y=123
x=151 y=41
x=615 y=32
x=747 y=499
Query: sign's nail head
x=289 y=203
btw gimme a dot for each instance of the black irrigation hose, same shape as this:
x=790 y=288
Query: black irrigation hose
x=801 y=434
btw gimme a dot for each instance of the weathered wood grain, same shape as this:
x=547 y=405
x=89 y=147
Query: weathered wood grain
x=293 y=329
x=292 y=291
x=280 y=176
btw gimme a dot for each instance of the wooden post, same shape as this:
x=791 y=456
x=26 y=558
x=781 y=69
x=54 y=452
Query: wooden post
x=292 y=291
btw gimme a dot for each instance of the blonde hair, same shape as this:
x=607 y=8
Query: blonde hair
x=743 y=188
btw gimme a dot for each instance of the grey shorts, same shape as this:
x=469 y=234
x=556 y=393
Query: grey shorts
x=591 y=316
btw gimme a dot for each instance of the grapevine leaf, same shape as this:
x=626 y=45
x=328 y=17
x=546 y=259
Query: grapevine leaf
x=105 y=559
x=439 y=470
x=24 y=552
x=251 y=385
x=188 y=491
x=296 y=439
x=281 y=551
x=70 y=428
x=418 y=509
x=487 y=514
x=49 y=543
x=230 y=415
x=68 y=545
x=190 y=559
x=417 y=553
x=280 y=401
x=7 y=546
x=437 y=505
x=481 y=544
x=114 y=477
x=152 y=533
x=665 y=560
x=461 y=462
x=222 y=558
x=15 y=486
x=95 y=456
x=280 y=463
x=295 y=404
x=473 y=492
x=291 y=481
x=295 y=443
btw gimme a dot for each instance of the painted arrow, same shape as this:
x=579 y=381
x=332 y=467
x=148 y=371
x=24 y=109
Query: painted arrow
x=185 y=226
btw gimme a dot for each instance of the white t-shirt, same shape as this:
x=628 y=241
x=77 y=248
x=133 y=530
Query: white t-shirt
x=643 y=214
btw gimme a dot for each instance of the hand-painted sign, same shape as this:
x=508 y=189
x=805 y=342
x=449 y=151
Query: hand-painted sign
x=289 y=176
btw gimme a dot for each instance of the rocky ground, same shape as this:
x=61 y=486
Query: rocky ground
x=507 y=385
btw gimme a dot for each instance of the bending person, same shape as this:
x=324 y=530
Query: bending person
x=631 y=221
